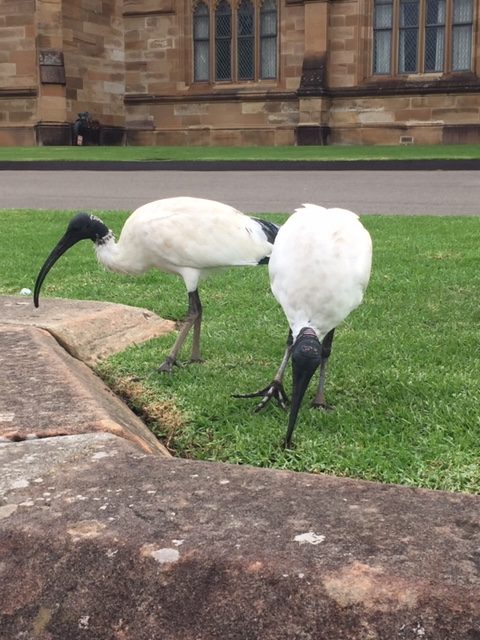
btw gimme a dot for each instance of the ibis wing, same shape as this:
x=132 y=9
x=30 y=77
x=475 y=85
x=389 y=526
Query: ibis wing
x=199 y=239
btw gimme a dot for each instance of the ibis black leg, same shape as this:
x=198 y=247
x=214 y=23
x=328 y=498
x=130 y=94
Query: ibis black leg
x=275 y=388
x=196 y=306
x=193 y=319
x=319 y=400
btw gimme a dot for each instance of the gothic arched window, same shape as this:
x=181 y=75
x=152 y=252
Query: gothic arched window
x=244 y=43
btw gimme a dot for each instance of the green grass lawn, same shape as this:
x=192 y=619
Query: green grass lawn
x=399 y=152
x=403 y=376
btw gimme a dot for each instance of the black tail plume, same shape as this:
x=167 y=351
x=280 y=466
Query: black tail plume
x=269 y=228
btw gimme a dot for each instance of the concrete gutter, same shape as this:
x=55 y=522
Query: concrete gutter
x=466 y=164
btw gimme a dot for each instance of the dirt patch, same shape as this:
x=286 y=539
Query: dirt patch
x=163 y=417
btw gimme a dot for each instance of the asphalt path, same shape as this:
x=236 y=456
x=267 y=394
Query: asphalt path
x=423 y=192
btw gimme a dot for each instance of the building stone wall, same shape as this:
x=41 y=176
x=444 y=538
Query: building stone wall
x=18 y=72
x=421 y=119
x=129 y=63
x=165 y=106
x=58 y=58
x=93 y=45
x=17 y=50
x=343 y=44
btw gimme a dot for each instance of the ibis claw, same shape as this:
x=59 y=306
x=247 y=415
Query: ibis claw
x=322 y=405
x=167 y=366
x=274 y=390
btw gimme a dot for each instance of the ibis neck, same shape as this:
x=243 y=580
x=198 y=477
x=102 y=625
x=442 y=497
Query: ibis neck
x=116 y=256
x=306 y=331
x=108 y=253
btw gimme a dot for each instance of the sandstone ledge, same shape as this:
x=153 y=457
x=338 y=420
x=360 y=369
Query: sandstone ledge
x=101 y=539
x=98 y=540
x=45 y=392
x=87 y=329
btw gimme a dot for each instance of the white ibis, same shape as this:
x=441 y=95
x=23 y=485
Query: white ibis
x=319 y=270
x=186 y=236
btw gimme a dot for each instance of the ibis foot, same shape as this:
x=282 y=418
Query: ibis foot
x=324 y=406
x=167 y=366
x=273 y=390
x=196 y=360
x=287 y=444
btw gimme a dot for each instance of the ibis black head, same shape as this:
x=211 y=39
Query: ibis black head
x=82 y=227
x=306 y=354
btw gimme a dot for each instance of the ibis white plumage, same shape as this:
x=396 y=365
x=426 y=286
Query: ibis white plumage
x=319 y=269
x=184 y=236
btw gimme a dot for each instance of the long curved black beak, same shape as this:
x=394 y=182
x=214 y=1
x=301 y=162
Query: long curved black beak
x=306 y=357
x=67 y=241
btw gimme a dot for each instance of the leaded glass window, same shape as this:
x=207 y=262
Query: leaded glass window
x=408 y=37
x=268 y=39
x=462 y=35
x=382 y=36
x=435 y=35
x=246 y=41
x=201 y=54
x=235 y=40
x=422 y=36
x=223 y=41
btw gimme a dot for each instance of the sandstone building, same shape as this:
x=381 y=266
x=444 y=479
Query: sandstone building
x=241 y=72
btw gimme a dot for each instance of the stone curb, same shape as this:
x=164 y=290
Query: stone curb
x=48 y=393
x=101 y=541
x=88 y=330
x=460 y=164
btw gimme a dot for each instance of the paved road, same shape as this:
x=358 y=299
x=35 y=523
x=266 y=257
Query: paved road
x=366 y=192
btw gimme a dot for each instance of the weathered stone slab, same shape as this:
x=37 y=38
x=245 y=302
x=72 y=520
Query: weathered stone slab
x=88 y=330
x=98 y=540
x=45 y=392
